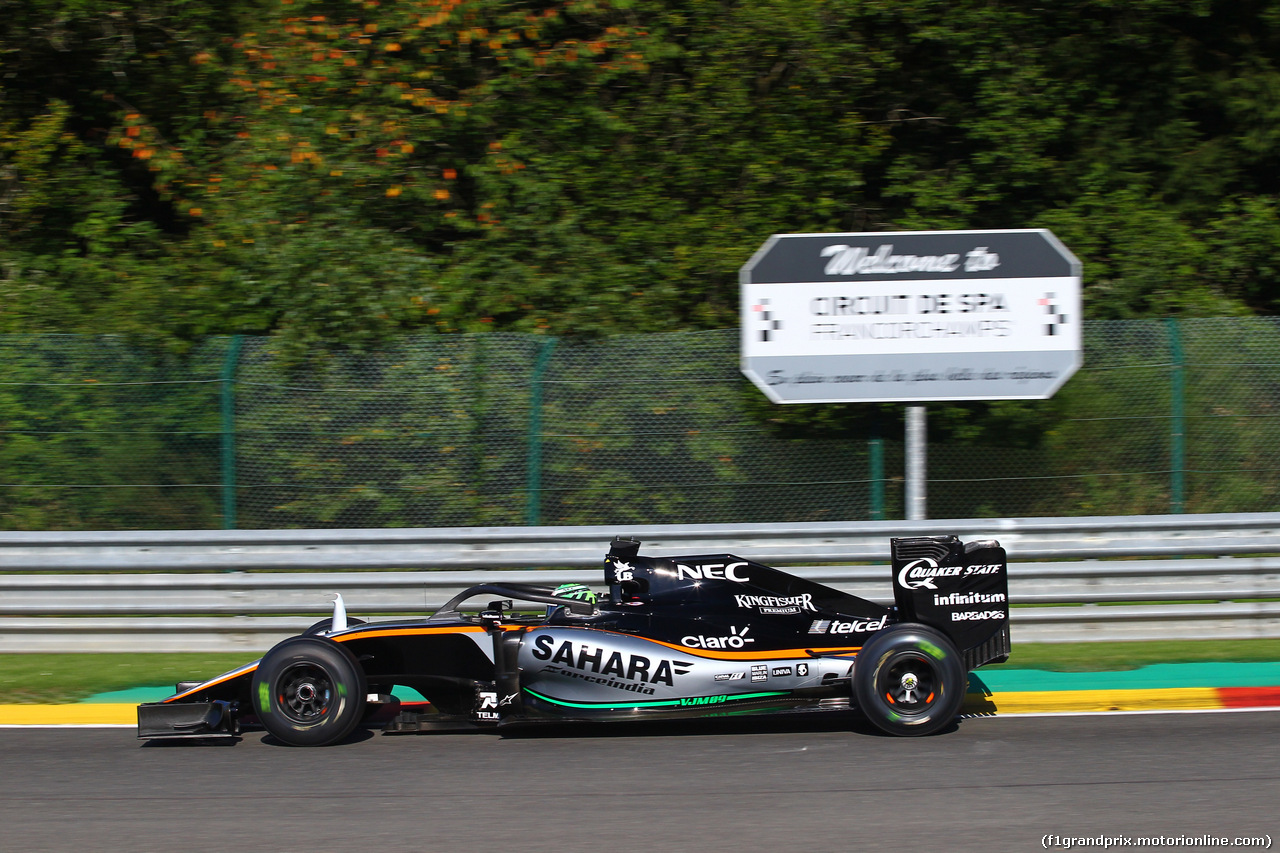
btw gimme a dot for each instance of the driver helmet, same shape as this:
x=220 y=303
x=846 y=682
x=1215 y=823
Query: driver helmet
x=579 y=591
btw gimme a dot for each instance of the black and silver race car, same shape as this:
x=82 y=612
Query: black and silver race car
x=674 y=637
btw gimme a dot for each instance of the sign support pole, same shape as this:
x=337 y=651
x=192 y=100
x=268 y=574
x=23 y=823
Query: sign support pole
x=917 y=439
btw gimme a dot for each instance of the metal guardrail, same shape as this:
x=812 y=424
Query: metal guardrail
x=244 y=590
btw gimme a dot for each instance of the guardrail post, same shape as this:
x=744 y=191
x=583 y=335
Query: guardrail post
x=228 y=405
x=533 y=502
x=1177 y=420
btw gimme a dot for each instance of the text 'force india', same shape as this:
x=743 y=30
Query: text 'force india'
x=674 y=637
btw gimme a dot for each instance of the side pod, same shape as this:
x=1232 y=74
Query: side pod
x=960 y=589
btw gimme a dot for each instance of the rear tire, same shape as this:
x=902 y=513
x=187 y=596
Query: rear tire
x=309 y=691
x=909 y=680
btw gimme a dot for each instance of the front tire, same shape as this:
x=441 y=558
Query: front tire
x=909 y=680
x=309 y=691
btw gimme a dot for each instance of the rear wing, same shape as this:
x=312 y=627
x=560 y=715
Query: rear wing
x=961 y=589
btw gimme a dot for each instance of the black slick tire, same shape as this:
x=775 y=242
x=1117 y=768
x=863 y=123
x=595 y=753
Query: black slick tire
x=309 y=691
x=909 y=680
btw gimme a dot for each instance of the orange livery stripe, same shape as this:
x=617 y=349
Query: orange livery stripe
x=416 y=632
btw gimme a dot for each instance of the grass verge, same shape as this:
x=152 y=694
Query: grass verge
x=1103 y=657
x=55 y=679
x=60 y=678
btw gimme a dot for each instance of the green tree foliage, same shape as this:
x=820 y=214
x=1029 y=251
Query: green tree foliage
x=335 y=171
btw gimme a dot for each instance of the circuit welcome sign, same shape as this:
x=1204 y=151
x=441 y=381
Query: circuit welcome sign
x=911 y=317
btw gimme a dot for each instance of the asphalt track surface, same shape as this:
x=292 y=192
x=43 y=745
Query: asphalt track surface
x=990 y=784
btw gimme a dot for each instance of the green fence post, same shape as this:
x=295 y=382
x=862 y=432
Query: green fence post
x=875 y=448
x=228 y=401
x=478 y=415
x=1178 y=431
x=533 y=504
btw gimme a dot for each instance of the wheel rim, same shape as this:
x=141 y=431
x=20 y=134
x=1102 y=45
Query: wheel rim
x=909 y=683
x=306 y=693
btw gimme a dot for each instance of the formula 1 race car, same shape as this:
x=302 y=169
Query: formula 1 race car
x=674 y=637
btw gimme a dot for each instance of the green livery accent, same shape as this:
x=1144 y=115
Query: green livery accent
x=264 y=697
x=660 y=703
x=932 y=649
